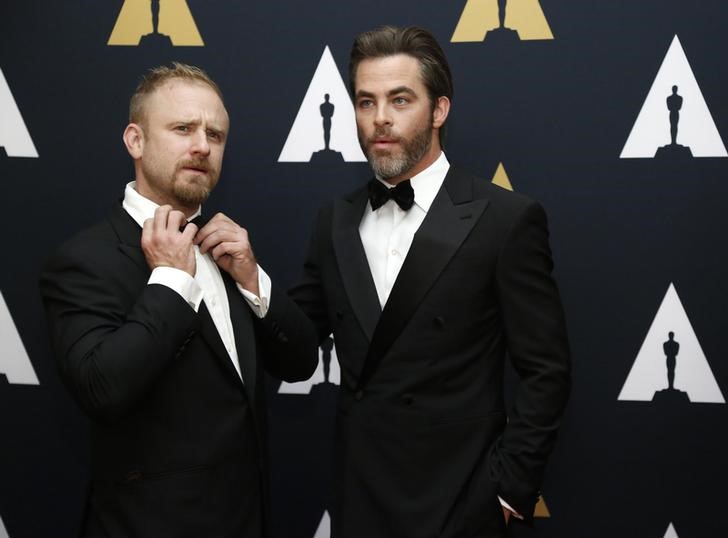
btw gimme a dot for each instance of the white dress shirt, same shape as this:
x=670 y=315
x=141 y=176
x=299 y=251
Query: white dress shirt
x=207 y=284
x=387 y=233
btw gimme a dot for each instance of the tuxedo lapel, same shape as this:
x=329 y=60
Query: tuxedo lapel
x=352 y=260
x=241 y=317
x=450 y=219
x=130 y=237
x=209 y=334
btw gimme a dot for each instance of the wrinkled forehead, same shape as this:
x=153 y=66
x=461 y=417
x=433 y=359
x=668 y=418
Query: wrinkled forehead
x=386 y=72
x=181 y=99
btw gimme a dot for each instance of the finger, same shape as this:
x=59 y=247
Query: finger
x=223 y=232
x=213 y=238
x=175 y=220
x=213 y=225
x=233 y=249
x=217 y=251
x=160 y=217
x=222 y=249
x=244 y=236
x=189 y=232
x=147 y=231
x=203 y=232
x=221 y=217
x=207 y=238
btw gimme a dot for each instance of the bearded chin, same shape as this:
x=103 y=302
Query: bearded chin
x=389 y=165
x=191 y=193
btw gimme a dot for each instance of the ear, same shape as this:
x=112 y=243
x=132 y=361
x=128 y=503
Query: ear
x=134 y=140
x=439 y=114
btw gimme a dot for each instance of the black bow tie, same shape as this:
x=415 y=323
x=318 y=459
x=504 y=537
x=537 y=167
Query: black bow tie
x=198 y=221
x=402 y=194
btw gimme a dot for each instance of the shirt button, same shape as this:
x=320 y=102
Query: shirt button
x=358 y=395
x=395 y=252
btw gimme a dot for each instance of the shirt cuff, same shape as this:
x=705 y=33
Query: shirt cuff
x=259 y=305
x=181 y=282
x=508 y=507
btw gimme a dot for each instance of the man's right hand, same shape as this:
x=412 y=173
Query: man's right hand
x=163 y=243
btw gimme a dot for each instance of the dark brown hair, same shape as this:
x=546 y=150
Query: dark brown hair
x=412 y=41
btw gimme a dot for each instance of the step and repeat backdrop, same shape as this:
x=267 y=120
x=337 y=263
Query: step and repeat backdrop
x=613 y=114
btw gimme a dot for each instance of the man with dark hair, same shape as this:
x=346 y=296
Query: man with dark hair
x=428 y=278
x=162 y=334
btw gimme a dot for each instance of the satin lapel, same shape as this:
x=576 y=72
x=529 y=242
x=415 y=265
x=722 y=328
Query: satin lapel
x=241 y=317
x=448 y=222
x=352 y=260
x=130 y=236
x=209 y=333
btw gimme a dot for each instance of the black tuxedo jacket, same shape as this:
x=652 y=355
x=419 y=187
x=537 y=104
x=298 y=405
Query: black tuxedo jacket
x=424 y=442
x=178 y=440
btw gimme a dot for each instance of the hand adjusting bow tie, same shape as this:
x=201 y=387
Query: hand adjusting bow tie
x=199 y=221
x=402 y=194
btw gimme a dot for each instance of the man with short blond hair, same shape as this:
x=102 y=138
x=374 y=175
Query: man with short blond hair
x=158 y=76
x=162 y=334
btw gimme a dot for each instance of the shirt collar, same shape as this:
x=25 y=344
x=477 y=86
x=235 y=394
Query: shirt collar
x=427 y=183
x=141 y=208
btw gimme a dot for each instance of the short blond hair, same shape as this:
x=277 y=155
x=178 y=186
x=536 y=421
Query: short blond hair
x=158 y=77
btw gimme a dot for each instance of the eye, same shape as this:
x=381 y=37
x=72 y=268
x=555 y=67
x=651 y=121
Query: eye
x=182 y=128
x=366 y=103
x=214 y=135
x=401 y=100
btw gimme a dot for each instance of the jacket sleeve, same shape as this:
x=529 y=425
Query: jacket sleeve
x=286 y=339
x=537 y=345
x=112 y=339
x=309 y=293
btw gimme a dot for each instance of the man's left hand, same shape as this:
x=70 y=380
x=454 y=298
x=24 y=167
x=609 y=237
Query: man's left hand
x=229 y=246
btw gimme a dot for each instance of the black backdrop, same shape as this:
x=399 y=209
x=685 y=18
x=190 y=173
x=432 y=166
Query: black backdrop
x=555 y=112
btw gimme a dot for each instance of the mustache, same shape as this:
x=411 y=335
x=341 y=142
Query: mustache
x=201 y=164
x=382 y=133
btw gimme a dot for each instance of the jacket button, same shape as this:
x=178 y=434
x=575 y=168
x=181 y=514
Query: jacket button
x=439 y=321
x=407 y=399
x=358 y=395
x=339 y=315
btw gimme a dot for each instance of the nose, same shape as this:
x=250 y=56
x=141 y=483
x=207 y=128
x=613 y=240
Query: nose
x=200 y=144
x=382 y=117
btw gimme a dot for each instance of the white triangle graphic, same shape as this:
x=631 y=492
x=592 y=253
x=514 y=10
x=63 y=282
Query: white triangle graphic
x=324 y=528
x=307 y=133
x=14 y=135
x=696 y=128
x=3 y=532
x=304 y=387
x=671 y=532
x=692 y=371
x=14 y=361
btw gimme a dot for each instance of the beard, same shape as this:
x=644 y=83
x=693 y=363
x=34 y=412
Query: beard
x=182 y=187
x=197 y=188
x=388 y=164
